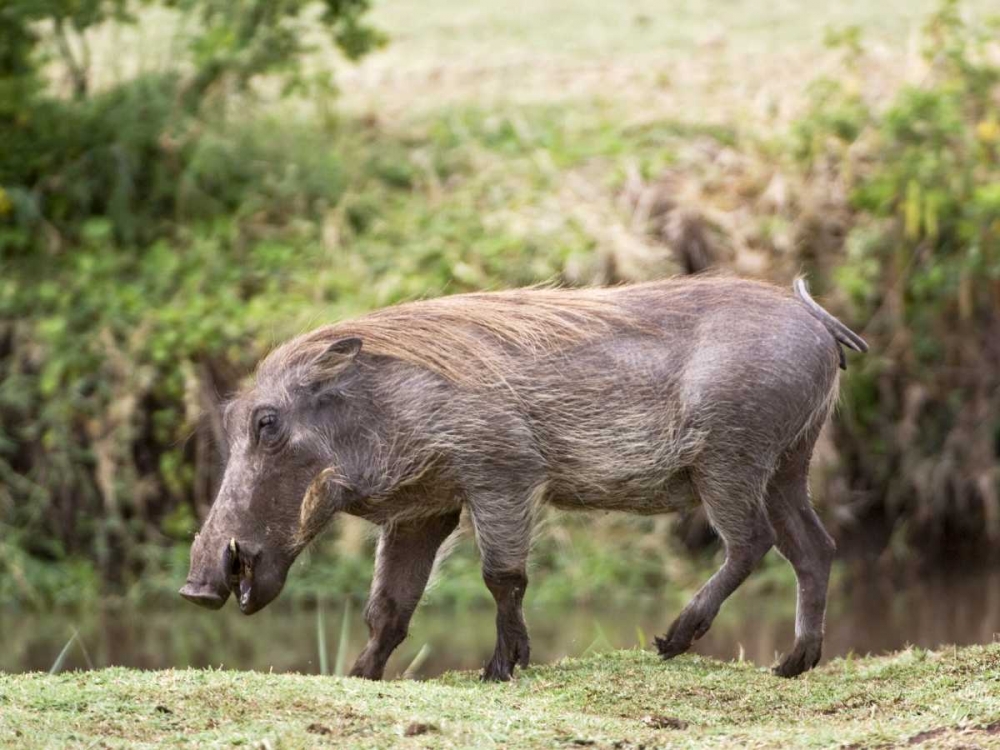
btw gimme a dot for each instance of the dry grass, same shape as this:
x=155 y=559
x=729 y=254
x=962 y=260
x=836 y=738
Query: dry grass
x=683 y=60
x=738 y=63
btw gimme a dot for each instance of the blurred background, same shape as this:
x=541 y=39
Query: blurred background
x=186 y=183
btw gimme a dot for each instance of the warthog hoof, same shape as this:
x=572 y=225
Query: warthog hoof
x=690 y=625
x=805 y=655
x=501 y=667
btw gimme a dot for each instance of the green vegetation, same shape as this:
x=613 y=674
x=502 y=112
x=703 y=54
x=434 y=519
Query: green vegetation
x=624 y=699
x=921 y=263
x=163 y=225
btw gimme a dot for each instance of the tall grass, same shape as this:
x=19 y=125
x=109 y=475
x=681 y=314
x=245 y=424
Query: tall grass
x=60 y=661
x=343 y=642
x=324 y=658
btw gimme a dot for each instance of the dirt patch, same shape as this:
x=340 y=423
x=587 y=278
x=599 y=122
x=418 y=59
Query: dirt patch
x=921 y=737
x=664 y=722
x=993 y=728
x=416 y=728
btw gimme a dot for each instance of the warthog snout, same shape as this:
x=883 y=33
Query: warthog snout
x=244 y=570
x=204 y=595
x=206 y=583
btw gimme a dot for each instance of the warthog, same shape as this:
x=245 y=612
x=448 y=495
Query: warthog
x=644 y=398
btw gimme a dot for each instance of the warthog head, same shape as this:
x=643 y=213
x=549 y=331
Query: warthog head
x=282 y=482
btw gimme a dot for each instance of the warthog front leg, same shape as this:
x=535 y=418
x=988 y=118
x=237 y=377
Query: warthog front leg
x=403 y=564
x=503 y=532
x=513 y=646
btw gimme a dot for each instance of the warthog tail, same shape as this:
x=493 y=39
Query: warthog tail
x=843 y=335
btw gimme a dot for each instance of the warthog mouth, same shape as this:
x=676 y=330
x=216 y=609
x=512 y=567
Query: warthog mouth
x=239 y=567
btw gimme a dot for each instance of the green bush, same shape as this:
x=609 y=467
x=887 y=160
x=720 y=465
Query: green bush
x=113 y=361
x=146 y=240
x=136 y=154
x=922 y=415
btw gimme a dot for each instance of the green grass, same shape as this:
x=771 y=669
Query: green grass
x=621 y=699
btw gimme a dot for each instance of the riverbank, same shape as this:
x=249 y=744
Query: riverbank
x=624 y=699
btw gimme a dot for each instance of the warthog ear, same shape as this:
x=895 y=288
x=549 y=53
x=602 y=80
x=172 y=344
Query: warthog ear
x=334 y=360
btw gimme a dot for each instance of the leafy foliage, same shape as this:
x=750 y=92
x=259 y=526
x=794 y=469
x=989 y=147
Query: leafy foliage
x=923 y=265
x=134 y=225
x=120 y=153
x=113 y=363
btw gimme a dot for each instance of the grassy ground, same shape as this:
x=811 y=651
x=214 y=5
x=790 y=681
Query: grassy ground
x=625 y=699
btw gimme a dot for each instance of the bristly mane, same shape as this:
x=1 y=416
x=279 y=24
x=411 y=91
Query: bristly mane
x=468 y=338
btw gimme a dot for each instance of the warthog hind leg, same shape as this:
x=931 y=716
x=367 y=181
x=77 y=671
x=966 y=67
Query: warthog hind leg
x=803 y=541
x=747 y=537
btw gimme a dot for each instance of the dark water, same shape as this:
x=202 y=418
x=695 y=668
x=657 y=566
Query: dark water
x=864 y=619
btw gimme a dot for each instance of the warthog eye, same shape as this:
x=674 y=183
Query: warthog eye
x=267 y=426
